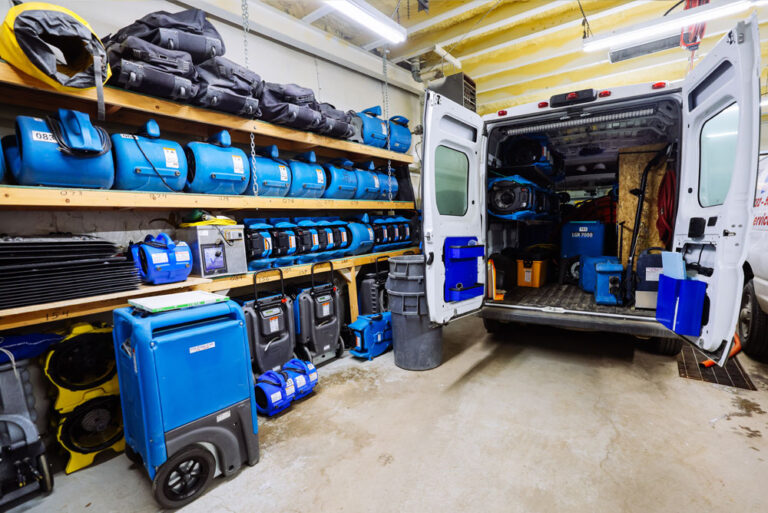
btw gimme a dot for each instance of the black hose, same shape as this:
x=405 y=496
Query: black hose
x=106 y=143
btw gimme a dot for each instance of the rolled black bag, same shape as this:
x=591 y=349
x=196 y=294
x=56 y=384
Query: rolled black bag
x=290 y=105
x=229 y=87
x=188 y=31
x=141 y=66
x=336 y=123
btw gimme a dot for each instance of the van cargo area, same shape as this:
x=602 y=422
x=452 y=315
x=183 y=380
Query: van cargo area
x=563 y=189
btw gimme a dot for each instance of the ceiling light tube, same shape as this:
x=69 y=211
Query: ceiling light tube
x=363 y=14
x=666 y=25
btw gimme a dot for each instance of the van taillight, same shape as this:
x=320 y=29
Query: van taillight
x=604 y=94
x=571 y=96
x=502 y=113
x=658 y=85
x=543 y=104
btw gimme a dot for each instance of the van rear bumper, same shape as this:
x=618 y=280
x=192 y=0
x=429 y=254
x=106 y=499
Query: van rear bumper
x=569 y=319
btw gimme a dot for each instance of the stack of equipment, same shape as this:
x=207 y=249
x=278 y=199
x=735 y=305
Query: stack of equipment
x=290 y=105
x=228 y=87
x=144 y=162
x=24 y=467
x=318 y=313
x=216 y=167
x=579 y=238
x=182 y=433
x=608 y=290
x=270 y=176
x=373 y=335
x=270 y=323
x=399 y=136
x=160 y=259
x=369 y=128
x=64 y=150
x=216 y=250
x=57 y=267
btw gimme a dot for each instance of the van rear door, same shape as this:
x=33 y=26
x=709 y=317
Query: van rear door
x=721 y=117
x=453 y=206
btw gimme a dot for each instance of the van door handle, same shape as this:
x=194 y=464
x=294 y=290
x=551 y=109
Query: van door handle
x=726 y=233
x=430 y=258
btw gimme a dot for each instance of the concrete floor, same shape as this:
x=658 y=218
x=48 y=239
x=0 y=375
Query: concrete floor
x=542 y=420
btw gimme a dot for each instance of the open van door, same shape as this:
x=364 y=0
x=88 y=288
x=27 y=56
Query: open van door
x=453 y=207
x=721 y=132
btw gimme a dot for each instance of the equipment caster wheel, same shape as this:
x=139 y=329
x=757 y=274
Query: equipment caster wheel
x=184 y=477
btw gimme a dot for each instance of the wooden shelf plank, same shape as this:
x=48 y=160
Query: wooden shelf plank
x=121 y=100
x=45 y=197
x=69 y=309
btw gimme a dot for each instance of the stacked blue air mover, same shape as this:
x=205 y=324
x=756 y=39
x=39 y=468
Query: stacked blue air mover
x=281 y=241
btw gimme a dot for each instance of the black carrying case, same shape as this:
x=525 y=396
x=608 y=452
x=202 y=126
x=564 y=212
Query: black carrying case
x=336 y=123
x=229 y=87
x=290 y=105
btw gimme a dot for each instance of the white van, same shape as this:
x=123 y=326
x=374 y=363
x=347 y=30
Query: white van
x=461 y=151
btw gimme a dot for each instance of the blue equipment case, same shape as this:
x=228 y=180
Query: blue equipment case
x=461 y=275
x=317 y=309
x=608 y=283
x=144 y=162
x=304 y=376
x=258 y=244
x=162 y=260
x=308 y=177
x=270 y=176
x=369 y=128
x=368 y=183
x=216 y=167
x=373 y=335
x=341 y=179
x=65 y=150
x=399 y=134
x=275 y=392
x=588 y=273
x=387 y=183
x=186 y=381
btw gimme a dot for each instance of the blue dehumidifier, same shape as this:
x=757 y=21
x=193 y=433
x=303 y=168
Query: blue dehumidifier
x=187 y=392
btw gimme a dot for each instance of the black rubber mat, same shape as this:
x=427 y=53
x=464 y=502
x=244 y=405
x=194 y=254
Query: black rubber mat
x=732 y=375
x=570 y=297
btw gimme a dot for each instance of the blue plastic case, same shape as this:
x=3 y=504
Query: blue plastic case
x=399 y=134
x=144 y=162
x=215 y=167
x=270 y=175
x=308 y=177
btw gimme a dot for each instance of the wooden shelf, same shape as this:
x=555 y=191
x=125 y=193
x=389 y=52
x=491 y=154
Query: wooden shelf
x=21 y=89
x=73 y=308
x=45 y=197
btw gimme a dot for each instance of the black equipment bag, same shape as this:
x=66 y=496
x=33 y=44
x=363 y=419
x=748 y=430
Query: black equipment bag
x=229 y=87
x=290 y=105
x=336 y=123
x=188 y=31
x=147 y=68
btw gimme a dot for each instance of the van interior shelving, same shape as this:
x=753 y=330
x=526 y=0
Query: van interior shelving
x=579 y=161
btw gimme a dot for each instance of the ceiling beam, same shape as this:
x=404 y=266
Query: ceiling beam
x=318 y=13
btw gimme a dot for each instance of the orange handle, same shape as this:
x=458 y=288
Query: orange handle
x=735 y=349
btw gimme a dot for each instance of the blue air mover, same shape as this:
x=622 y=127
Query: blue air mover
x=307 y=240
x=341 y=237
x=271 y=328
x=270 y=176
x=373 y=335
x=369 y=128
x=380 y=233
x=144 y=162
x=64 y=150
x=399 y=134
x=187 y=395
x=161 y=259
x=215 y=167
x=361 y=237
x=341 y=179
x=258 y=244
x=308 y=177
x=2 y=164
x=317 y=309
x=325 y=231
x=368 y=183
x=274 y=393
x=512 y=198
x=387 y=184
x=284 y=241
x=304 y=376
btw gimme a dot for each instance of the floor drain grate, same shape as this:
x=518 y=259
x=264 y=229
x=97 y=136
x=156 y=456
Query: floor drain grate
x=732 y=375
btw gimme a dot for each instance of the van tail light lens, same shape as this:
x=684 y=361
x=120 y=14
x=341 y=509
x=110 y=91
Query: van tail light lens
x=658 y=85
x=543 y=104
x=502 y=113
x=604 y=94
x=571 y=96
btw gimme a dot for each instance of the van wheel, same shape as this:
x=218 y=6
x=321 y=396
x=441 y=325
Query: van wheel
x=753 y=325
x=493 y=326
x=662 y=346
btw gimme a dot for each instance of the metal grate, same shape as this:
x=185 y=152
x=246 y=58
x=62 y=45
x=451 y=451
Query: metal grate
x=732 y=375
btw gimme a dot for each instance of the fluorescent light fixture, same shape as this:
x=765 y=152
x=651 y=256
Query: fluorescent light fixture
x=764 y=103
x=363 y=14
x=653 y=29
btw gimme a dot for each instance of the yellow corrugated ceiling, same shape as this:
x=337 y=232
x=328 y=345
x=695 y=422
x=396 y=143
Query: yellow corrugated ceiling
x=521 y=51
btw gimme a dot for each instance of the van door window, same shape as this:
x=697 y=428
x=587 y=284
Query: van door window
x=451 y=181
x=719 y=139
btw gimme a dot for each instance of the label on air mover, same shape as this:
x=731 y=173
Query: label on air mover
x=292 y=241
x=343 y=236
x=43 y=137
x=315 y=240
x=376 y=181
x=237 y=162
x=313 y=376
x=159 y=258
x=182 y=256
x=283 y=173
x=274 y=323
x=359 y=341
x=289 y=388
x=326 y=309
x=276 y=396
x=320 y=175
x=300 y=381
x=171 y=158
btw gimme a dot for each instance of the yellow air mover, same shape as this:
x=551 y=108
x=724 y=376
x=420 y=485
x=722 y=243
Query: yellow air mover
x=82 y=366
x=90 y=429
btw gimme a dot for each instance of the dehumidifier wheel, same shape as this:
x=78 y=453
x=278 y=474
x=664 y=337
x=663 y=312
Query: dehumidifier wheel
x=184 y=477
x=46 y=483
x=340 y=349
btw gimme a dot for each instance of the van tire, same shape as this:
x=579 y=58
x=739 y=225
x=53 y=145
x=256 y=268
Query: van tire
x=663 y=346
x=753 y=325
x=492 y=326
